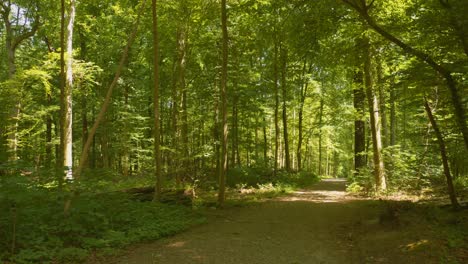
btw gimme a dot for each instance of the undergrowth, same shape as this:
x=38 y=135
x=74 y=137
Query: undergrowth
x=34 y=229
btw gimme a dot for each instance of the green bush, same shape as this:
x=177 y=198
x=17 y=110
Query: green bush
x=248 y=176
x=256 y=176
x=96 y=221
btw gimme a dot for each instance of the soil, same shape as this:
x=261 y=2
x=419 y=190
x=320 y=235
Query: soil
x=321 y=224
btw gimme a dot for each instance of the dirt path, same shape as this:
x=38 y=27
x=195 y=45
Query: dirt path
x=318 y=225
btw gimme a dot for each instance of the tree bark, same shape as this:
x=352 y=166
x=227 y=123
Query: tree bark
x=49 y=121
x=68 y=100
x=265 y=141
x=235 y=161
x=359 y=123
x=303 y=95
x=60 y=158
x=320 y=170
x=157 y=132
x=393 y=117
x=224 y=76
x=382 y=103
x=379 y=169
x=285 y=115
x=276 y=87
x=443 y=155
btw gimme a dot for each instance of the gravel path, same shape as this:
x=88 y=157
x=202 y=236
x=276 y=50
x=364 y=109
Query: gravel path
x=318 y=225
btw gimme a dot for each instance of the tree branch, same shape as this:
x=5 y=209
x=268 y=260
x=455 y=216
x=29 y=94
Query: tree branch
x=26 y=34
x=352 y=4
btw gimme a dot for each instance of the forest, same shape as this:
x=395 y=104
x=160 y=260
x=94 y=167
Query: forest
x=128 y=121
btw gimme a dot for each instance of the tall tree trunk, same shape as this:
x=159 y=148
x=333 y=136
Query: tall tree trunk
x=359 y=123
x=277 y=128
x=460 y=115
x=173 y=160
x=157 y=132
x=284 y=55
x=320 y=170
x=379 y=169
x=235 y=161
x=60 y=158
x=265 y=142
x=382 y=102
x=68 y=101
x=392 y=116
x=443 y=155
x=224 y=76
x=303 y=95
x=49 y=121
x=182 y=63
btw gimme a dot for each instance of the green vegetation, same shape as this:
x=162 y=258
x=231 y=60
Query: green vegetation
x=219 y=98
x=34 y=229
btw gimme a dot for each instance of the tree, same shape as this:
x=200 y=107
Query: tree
x=443 y=155
x=67 y=126
x=157 y=132
x=223 y=90
x=359 y=123
x=284 y=58
x=363 y=9
x=110 y=90
x=14 y=37
x=375 y=125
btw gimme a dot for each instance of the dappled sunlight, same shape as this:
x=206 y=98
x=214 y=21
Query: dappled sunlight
x=177 y=244
x=327 y=191
x=318 y=196
x=415 y=245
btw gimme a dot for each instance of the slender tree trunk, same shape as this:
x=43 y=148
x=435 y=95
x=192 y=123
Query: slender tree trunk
x=379 y=169
x=304 y=87
x=285 y=115
x=392 y=116
x=382 y=103
x=157 y=132
x=460 y=115
x=68 y=101
x=320 y=170
x=443 y=155
x=174 y=157
x=224 y=76
x=217 y=136
x=49 y=136
x=265 y=141
x=60 y=157
x=359 y=123
x=277 y=128
x=235 y=161
x=182 y=63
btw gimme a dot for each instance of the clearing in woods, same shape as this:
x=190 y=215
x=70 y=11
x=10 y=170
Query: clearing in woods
x=321 y=224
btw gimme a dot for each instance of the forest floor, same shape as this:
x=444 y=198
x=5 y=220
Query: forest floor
x=321 y=224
